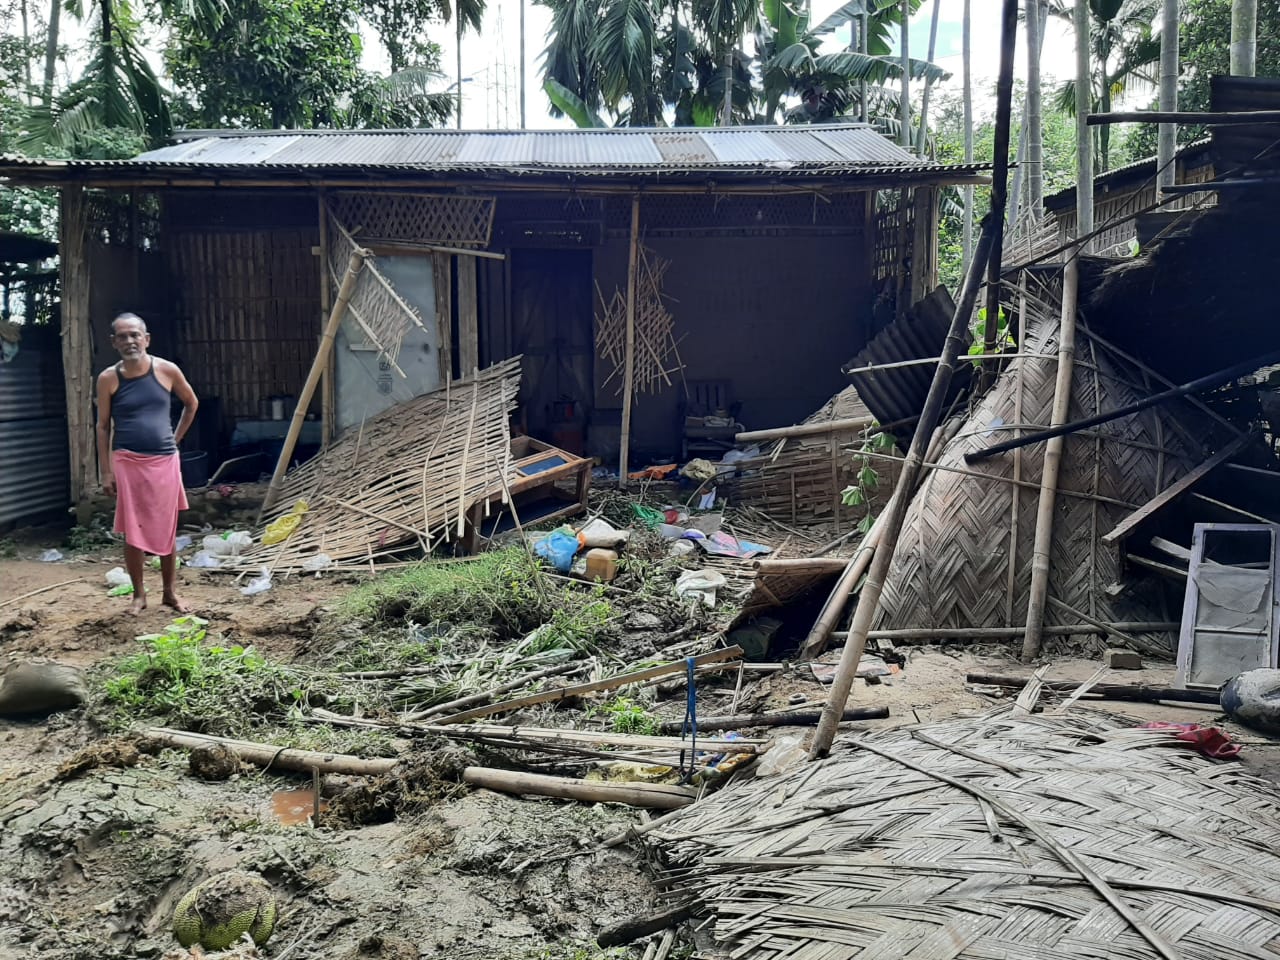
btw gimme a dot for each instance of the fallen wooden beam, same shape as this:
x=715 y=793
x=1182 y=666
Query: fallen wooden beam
x=637 y=927
x=270 y=756
x=789 y=718
x=1134 y=692
x=577 y=689
x=651 y=795
x=1176 y=489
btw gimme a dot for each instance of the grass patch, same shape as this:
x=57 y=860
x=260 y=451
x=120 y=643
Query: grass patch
x=626 y=715
x=94 y=536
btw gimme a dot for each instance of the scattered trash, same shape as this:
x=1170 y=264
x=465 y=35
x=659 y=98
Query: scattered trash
x=601 y=533
x=154 y=562
x=316 y=563
x=1253 y=699
x=281 y=528
x=721 y=544
x=787 y=753
x=121 y=590
x=230 y=544
x=601 y=565
x=659 y=472
x=648 y=516
x=707 y=500
x=698 y=469
x=51 y=556
x=702 y=584
x=204 y=560
x=559 y=548
x=1209 y=741
x=258 y=584
x=681 y=548
x=181 y=542
x=117 y=577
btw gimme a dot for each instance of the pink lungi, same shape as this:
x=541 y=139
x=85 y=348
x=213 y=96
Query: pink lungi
x=149 y=495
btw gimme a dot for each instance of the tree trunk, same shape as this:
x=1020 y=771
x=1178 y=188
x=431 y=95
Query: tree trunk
x=1166 y=134
x=904 y=104
x=922 y=139
x=1244 y=38
x=966 y=236
x=726 y=108
x=864 y=28
x=1084 y=151
x=26 y=48
x=1033 y=133
x=51 y=49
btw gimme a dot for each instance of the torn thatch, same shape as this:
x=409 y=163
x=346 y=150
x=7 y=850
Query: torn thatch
x=1004 y=836
x=957 y=564
x=405 y=479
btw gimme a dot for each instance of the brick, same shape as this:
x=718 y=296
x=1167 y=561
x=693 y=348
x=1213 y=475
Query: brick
x=1122 y=659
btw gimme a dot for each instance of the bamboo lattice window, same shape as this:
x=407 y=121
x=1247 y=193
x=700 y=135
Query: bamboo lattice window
x=416 y=218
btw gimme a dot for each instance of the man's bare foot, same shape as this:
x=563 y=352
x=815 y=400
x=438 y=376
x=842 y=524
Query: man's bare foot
x=174 y=601
x=139 y=604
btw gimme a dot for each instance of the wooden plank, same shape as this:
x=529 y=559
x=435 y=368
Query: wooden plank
x=443 y=284
x=1125 y=527
x=468 y=317
x=628 y=378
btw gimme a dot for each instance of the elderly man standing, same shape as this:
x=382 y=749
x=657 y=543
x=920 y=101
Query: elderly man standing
x=139 y=459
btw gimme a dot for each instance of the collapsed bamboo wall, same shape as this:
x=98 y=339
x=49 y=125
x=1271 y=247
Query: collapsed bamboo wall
x=964 y=557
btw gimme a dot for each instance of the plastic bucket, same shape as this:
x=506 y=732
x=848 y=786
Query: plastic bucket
x=195 y=468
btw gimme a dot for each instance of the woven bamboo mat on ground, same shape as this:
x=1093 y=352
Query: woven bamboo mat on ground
x=402 y=480
x=1000 y=837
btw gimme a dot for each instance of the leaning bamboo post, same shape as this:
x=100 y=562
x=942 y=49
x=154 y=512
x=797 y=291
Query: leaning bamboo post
x=629 y=364
x=895 y=514
x=1043 y=545
x=313 y=378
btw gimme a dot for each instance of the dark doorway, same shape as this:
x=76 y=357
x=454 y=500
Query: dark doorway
x=551 y=325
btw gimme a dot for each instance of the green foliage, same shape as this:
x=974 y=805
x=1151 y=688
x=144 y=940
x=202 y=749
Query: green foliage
x=867 y=479
x=192 y=685
x=978 y=334
x=1204 y=36
x=95 y=536
x=626 y=715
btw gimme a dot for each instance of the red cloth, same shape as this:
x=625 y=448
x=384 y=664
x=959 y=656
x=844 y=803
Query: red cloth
x=1210 y=741
x=149 y=495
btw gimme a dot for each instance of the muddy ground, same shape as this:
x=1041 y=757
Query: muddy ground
x=92 y=864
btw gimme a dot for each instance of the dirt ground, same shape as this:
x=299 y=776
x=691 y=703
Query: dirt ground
x=93 y=865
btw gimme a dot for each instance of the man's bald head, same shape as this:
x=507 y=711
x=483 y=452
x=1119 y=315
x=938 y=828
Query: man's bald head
x=130 y=318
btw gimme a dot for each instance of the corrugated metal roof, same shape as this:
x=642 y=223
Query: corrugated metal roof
x=824 y=150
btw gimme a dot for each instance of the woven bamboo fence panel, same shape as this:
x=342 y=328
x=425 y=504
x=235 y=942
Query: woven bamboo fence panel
x=382 y=315
x=800 y=480
x=957 y=564
x=404 y=480
x=964 y=840
x=450 y=220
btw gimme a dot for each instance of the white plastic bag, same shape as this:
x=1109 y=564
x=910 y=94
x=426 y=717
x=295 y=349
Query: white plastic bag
x=601 y=533
x=117 y=577
x=204 y=559
x=259 y=584
x=702 y=584
x=321 y=561
x=51 y=556
x=232 y=545
x=181 y=542
x=785 y=753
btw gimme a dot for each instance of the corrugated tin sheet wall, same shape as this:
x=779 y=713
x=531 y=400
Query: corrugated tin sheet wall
x=33 y=432
x=249 y=318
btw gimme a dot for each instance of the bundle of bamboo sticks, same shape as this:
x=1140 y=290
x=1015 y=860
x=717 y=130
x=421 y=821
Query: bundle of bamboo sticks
x=656 y=353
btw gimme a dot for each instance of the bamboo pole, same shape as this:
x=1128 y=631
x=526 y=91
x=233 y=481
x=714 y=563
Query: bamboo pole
x=654 y=796
x=629 y=364
x=814 y=565
x=268 y=755
x=318 y=366
x=823 y=428
x=1043 y=544
x=895 y=514
x=328 y=392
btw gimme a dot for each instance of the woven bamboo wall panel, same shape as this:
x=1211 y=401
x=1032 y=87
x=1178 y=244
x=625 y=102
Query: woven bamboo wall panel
x=248 y=314
x=952 y=564
x=451 y=220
